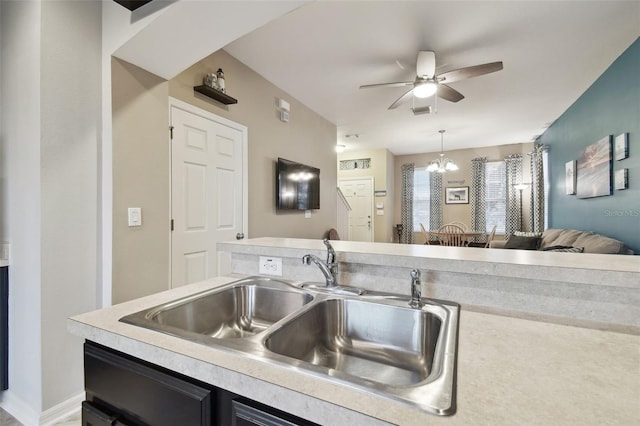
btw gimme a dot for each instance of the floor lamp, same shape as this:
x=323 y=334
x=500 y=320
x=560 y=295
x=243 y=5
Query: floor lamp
x=521 y=187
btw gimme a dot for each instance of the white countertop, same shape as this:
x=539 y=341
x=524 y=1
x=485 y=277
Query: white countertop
x=583 y=268
x=620 y=263
x=510 y=371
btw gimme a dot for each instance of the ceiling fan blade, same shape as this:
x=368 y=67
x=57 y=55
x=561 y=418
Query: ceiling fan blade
x=449 y=94
x=397 y=84
x=426 y=64
x=468 y=72
x=401 y=99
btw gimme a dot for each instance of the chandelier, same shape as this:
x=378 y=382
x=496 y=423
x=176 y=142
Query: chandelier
x=442 y=164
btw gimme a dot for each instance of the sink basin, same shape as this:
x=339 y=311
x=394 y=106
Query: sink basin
x=242 y=310
x=374 y=342
x=390 y=345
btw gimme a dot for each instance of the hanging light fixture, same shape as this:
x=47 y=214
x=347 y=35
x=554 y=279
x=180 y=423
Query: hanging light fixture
x=442 y=164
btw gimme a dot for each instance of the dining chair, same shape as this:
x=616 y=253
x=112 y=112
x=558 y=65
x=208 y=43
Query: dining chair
x=427 y=236
x=452 y=235
x=490 y=237
x=460 y=224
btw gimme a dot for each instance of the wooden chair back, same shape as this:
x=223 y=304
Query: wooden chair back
x=460 y=224
x=452 y=235
x=427 y=236
x=491 y=235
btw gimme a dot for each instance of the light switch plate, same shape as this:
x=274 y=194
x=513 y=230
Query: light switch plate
x=135 y=216
x=270 y=266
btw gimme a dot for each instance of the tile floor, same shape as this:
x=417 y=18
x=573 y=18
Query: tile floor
x=7 y=420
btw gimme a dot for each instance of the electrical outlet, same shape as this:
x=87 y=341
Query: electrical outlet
x=270 y=266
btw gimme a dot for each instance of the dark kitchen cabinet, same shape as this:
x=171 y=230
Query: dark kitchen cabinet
x=123 y=390
x=4 y=328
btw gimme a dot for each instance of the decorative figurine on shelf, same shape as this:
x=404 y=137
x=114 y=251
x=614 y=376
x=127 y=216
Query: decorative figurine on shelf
x=220 y=76
x=210 y=80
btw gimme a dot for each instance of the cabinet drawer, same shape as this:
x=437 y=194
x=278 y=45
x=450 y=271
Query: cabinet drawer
x=142 y=395
x=249 y=413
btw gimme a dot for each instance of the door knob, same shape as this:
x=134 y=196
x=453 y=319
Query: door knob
x=239 y=236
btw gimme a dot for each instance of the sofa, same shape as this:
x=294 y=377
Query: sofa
x=565 y=240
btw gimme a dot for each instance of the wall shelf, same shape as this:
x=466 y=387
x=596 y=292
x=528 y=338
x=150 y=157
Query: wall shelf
x=215 y=94
x=132 y=4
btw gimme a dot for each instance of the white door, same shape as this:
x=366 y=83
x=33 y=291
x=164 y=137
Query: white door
x=359 y=194
x=207 y=191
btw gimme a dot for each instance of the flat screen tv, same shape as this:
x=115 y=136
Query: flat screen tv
x=297 y=186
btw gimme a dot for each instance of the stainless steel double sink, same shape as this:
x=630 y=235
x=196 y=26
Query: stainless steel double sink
x=373 y=342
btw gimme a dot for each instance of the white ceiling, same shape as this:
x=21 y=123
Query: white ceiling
x=552 y=52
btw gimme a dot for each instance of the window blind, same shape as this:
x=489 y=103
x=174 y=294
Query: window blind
x=421 y=198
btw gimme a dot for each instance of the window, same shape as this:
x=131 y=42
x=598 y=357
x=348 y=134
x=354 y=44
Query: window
x=496 y=196
x=421 y=198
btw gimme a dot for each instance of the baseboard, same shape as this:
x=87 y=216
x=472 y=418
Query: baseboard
x=18 y=408
x=61 y=411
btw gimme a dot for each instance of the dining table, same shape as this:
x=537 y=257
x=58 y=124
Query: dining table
x=458 y=239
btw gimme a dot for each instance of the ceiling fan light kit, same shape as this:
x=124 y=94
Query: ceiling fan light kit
x=427 y=83
x=424 y=90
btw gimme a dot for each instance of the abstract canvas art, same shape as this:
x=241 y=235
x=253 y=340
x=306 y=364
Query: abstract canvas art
x=570 y=177
x=594 y=170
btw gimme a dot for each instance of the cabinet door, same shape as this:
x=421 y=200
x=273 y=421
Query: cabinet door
x=139 y=394
x=251 y=415
x=4 y=328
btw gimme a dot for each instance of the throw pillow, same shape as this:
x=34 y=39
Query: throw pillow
x=527 y=234
x=522 y=243
x=565 y=249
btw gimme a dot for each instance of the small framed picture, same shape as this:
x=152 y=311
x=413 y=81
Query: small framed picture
x=457 y=195
x=621 y=179
x=621 y=150
x=570 y=177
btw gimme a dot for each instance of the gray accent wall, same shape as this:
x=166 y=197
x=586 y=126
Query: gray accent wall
x=611 y=106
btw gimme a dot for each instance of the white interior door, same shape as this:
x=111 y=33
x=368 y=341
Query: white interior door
x=359 y=194
x=207 y=191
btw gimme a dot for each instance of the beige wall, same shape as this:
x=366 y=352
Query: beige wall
x=306 y=138
x=461 y=177
x=140 y=179
x=382 y=171
x=141 y=160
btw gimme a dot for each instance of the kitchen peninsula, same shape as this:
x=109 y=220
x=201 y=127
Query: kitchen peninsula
x=536 y=345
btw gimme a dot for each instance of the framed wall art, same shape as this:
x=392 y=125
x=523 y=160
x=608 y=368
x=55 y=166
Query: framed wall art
x=594 y=170
x=457 y=195
x=570 y=177
x=622 y=146
x=621 y=179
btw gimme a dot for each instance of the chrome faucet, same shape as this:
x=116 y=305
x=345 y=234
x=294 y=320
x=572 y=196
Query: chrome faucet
x=416 y=302
x=332 y=264
x=308 y=258
x=330 y=269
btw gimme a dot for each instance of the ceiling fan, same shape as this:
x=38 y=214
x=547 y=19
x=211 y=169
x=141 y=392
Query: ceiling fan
x=427 y=83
